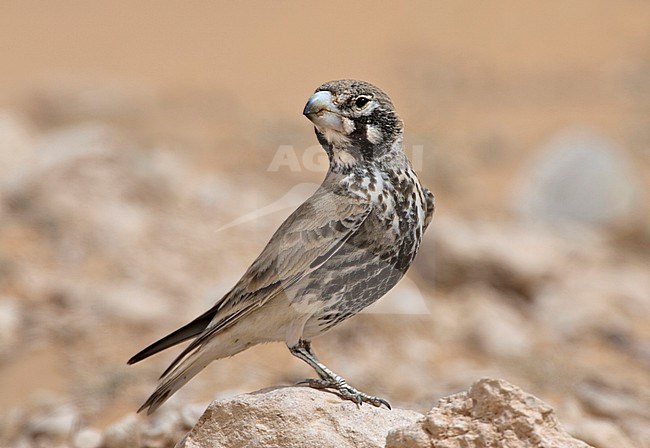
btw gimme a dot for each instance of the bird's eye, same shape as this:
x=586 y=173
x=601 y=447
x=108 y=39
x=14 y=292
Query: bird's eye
x=361 y=101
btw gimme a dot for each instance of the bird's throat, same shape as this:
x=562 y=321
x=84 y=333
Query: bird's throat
x=343 y=158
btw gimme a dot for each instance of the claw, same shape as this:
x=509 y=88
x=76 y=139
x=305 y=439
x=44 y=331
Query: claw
x=345 y=391
x=385 y=403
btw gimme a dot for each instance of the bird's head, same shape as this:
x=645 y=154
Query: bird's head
x=354 y=121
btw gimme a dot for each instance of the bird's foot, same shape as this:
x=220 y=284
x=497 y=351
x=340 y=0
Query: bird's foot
x=346 y=391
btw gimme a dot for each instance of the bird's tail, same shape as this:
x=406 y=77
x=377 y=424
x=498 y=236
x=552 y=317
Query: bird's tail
x=175 y=379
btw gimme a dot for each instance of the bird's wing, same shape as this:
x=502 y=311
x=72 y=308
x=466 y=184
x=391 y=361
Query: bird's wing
x=431 y=206
x=307 y=239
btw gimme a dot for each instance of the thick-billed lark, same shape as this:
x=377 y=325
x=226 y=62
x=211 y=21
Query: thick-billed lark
x=340 y=251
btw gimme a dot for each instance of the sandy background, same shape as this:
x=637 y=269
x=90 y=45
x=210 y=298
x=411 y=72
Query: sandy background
x=130 y=134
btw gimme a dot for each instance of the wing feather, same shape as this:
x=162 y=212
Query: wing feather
x=431 y=207
x=308 y=238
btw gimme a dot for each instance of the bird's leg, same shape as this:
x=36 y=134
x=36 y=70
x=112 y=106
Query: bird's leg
x=329 y=379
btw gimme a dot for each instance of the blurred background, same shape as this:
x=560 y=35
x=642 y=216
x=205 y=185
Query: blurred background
x=149 y=150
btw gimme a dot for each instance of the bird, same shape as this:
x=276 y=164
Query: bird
x=337 y=253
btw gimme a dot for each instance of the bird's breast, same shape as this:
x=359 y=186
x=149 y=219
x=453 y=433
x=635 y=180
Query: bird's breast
x=398 y=206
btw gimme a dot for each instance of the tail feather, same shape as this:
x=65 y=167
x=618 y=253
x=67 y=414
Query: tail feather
x=176 y=379
x=184 y=333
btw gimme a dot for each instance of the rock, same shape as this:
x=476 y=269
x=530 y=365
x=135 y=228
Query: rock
x=164 y=429
x=492 y=413
x=57 y=423
x=10 y=320
x=637 y=429
x=16 y=145
x=294 y=417
x=509 y=256
x=12 y=425
x=55 y=150
x=88 y=438
x=581 y=177
x=605 y=400
x=133 y=303
x=126 y=432
x=602 y=433
x=495 y=327
x=596 y=299
x=61 y=102
x=191 y=413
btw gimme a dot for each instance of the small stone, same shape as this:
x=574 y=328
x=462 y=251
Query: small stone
x=126 y=432
x=10 y=320
x=12 y=424
x=164 y=421
x=409 y=437
x=134 y=303
x=16 y=146
x=62 y=146
x=494 y=326
x=23 y=442
x=602 y=433
x=602 y=399
x=582 y=177
x=57 y=423
x=88 y=438
x=191 y=413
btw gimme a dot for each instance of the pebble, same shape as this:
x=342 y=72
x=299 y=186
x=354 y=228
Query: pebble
x=580 y=176
x=58 y=423
x=601 y=433
x=191 y=413
x=88 y=438
x=124 y=433
x=10 y=320
x=497 y=328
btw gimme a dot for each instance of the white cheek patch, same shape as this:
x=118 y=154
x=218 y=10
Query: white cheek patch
x=348 y=126
x=374 y=135
x=334 y=137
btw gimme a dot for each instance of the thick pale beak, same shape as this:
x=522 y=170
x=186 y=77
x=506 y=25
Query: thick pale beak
x=323 y=113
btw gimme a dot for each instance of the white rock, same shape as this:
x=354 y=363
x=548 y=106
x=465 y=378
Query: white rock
x=581 y=177
x=191 y=413
x=57 y=423
x=23 y=442
x=10 y=320
x=62 y=146
x=126 y=432
x=88 y=438
x=606 y=400
x=510 y=256
x=16 y=146
x=163 y=424
x=492 y=413
x=134 y=303
x=602 y=433
x=292 y=417
x=591 y=298
x=494 y=326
